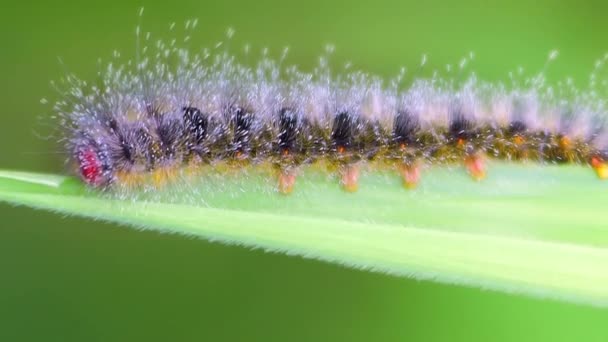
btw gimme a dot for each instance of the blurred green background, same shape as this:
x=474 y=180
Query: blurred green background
x=67 y=279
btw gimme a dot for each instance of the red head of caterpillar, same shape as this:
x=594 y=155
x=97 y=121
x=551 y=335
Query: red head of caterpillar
x=152 y=120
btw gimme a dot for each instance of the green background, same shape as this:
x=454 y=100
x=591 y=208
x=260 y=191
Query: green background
x=67 y=279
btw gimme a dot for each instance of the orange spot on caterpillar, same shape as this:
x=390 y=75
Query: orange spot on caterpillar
x=565 y=142
x=519 y=140
x=460 y=142
x=475 y=165
x=341 y=149
x=410 y=174
x=350 y=178
x=161 y=176
x=287 y=181
x=402 y=146
x=129 y=179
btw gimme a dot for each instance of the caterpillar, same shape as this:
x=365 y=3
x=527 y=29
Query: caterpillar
x=148 y=121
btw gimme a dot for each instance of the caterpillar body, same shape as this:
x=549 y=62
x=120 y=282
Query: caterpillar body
x=146 y=121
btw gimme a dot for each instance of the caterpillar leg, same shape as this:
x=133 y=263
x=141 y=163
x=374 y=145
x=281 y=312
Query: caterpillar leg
x=600 y=167
x=286 y=181
x=410 y=174
x=476 y=166
x=350 y=177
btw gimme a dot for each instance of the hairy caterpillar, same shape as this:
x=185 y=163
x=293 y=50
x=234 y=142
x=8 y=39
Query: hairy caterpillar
x=172 y=112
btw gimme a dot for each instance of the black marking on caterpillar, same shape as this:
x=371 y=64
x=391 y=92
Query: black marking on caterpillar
x=152 y=116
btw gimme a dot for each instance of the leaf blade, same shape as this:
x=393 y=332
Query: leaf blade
x=565 y=270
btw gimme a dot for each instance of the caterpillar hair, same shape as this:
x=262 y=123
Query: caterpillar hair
x=172 y=111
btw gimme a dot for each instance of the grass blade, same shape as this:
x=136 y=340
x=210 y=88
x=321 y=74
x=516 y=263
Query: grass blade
x=538 y=231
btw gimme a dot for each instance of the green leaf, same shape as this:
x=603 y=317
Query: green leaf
x=534 y=230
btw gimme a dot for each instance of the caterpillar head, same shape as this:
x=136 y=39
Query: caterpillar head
x=93 y=164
